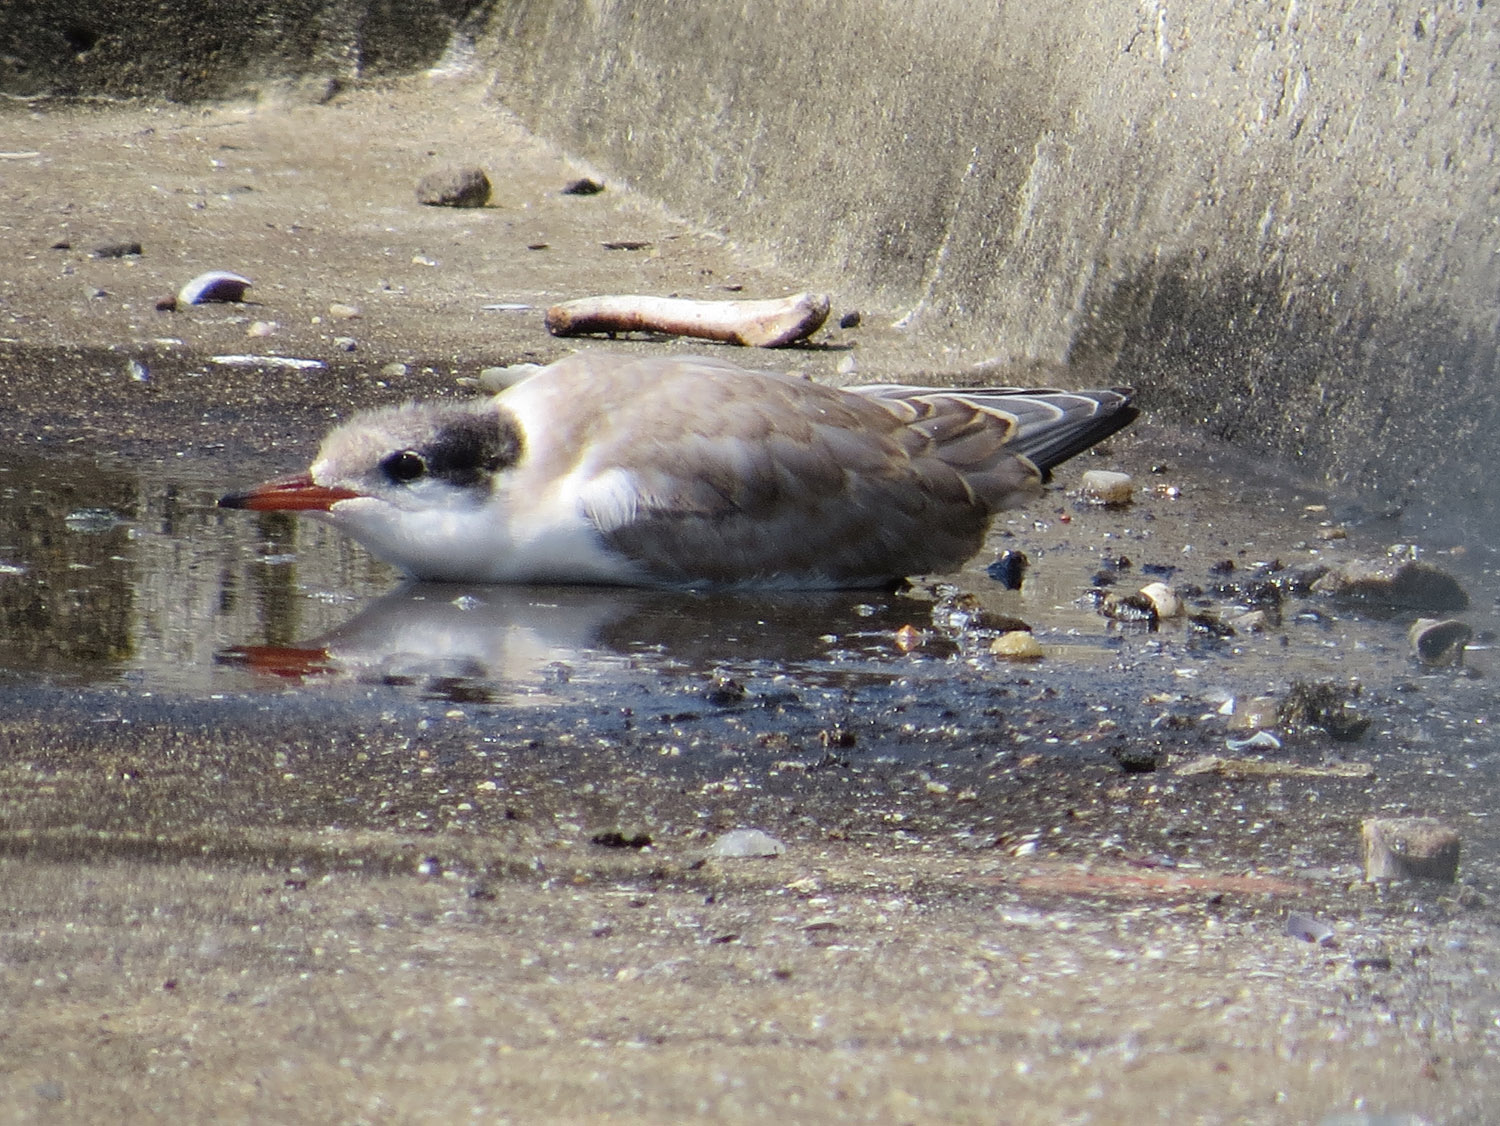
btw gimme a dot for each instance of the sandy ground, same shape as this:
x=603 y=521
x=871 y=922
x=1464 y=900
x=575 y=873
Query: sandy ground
x=195 y=929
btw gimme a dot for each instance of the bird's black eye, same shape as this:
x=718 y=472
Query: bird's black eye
x=404 y=466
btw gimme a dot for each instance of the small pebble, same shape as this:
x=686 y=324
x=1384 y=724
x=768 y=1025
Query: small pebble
x=1016 y=645
x=454 y=187
x=1100 y=486
x=849 y=320
x=395 y=370
x=117 y=250
x=744 y=843
x=1409 y=848
x=261 y=328
x=345 y=343
x=1251 y=622
x=1009 y=569
x=584 y=186
x=848 y=365
x=496 y=379
x=343 y=312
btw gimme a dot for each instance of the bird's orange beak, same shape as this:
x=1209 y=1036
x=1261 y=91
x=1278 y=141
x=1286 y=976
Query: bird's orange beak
x=298 y=493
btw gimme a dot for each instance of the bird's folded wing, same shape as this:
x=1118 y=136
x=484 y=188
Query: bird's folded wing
x=977 y=429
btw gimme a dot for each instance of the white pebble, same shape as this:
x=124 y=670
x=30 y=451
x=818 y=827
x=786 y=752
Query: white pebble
x=738 y=843
x=1104 y=487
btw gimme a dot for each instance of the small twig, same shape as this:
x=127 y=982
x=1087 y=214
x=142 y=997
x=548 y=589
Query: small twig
x=758 y=324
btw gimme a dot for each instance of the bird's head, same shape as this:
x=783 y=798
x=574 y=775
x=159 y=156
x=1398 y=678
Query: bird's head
x=410 y=482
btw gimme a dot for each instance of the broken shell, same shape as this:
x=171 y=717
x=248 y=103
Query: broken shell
x=1100 y=486
x=1164 y=598
x=1016 y=645
x=1439 y=642
x=216 y=285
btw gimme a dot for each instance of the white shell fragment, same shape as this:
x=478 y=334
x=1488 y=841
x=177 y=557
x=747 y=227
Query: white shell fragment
x=742 y=843
x=1260 y=741
x=1101 y=486
x=1164 y=598
x=216 y=285
x=289 y=363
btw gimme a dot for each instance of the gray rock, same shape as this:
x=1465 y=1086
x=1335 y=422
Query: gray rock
x=1410 y=848
x=454 y=187
x=1394 y=584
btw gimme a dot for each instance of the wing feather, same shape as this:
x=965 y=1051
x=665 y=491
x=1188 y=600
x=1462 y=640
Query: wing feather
x=697 y=470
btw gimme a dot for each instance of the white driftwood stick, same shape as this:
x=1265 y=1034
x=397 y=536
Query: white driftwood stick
x=757 y=324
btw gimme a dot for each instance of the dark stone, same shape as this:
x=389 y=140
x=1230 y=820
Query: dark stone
x=454 y=187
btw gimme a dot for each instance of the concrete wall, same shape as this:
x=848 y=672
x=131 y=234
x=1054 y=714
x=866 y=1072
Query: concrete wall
x=1281 y=221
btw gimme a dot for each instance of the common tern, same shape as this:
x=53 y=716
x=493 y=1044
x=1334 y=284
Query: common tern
x=689 y=470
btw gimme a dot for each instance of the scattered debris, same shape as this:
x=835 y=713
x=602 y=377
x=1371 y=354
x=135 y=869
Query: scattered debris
x=759 y=324
x=1137 y=759
x=616 y=839
x=1324 y=705
x=1257 y=768
x=454 y=187
x=1130 y=609
x=214 y=286
x=1439 y=642
x=1409 y=848
x=742 y=843
x=1394 y=584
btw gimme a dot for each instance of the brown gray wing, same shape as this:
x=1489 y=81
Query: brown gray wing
x=979 y=430
x=711 y=473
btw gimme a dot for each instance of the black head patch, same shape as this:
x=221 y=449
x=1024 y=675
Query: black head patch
x=465 y=449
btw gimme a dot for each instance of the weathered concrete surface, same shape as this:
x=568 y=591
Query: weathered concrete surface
x=1277 y=219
